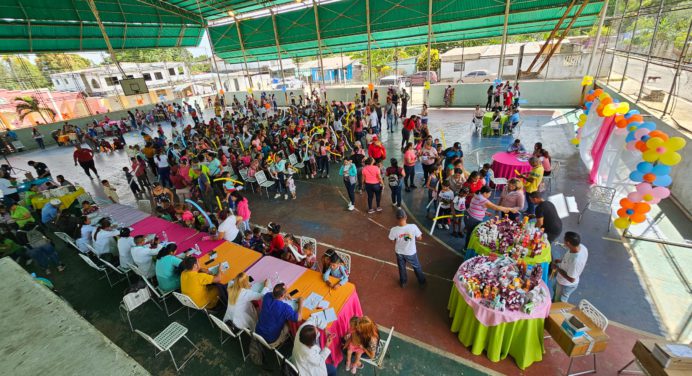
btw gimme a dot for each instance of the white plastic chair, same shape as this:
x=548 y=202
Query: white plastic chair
x=190 y=304
x=100 y=269
x=133 y=301
x=294 y=162
x=601 y=321
x=67 y=239
x=311 y=241
x=548 y=180
x=145 y=206
x=247 y=179
x=600 y=201
x=284 y=360
x=263 y=182
x=381 y=352
x=161 y=295
x=266 y=345
x=498 y=182
x=167 y=338
x=346 y=258
x=231 y=334
x=122 y=272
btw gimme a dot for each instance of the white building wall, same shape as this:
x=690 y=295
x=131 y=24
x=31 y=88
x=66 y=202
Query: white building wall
x=560 y=66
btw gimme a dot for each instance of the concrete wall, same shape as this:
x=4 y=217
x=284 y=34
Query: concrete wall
x=560 y=94
x=681 y=188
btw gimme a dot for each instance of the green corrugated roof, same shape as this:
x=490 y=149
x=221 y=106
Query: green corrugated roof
x=69 y=25
x=343 y=25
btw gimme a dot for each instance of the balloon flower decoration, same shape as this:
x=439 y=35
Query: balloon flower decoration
x=606 y=107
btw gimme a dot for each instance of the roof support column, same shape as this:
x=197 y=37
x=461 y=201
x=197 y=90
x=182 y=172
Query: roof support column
x=367 y=19
x=242 y=49
x=213 y=59
x=319 y=46
x=648 y=55
x=427 y=73
x=676 y=77
x=563 y=35
x=278 y=51
x=95 y=11
x=504 y=41
x=598 y=37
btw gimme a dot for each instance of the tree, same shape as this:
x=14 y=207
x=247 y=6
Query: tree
x=152 y=55
x=30 y=104
x=56 y=63
x=422 y=62
x=23 y=74
x=200 y=64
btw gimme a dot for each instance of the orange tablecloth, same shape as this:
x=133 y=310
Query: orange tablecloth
x=239 y=259
x=311 y=281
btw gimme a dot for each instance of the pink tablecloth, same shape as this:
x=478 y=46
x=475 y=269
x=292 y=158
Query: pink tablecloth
x=490 y=317
x=505 y=163
x=267 y=266
x=184 y=237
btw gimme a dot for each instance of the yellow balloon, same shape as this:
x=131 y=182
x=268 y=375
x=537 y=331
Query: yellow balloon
x=582 y=117
x=650 y=156
x=623 y=108
x=575 y=141
x=580 y=124
x=622 y=223
x=603 y=96
x=654 y=142
x=609 y=110
x=670 y=158
x=676 y=143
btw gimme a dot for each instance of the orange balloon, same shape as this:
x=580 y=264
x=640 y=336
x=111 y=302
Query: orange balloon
x=649 y=178
x=638 y=217
x=622 y=212
x=621 y=123
x=641 y=146
x=597 y=92
x=607 y=101
x=642 y=207
x=619 y=118
x=659 y=134
x=636 y=117
x=626 y=203
x=590 y=97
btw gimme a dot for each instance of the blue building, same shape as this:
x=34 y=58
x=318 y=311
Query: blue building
x=336 y=69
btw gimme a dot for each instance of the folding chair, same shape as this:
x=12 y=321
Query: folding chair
x=266 y=345
x=67 y=239
x=312 y=242
x=167 y=338
x=284 y=360
x=380 y=353
x=160 y=295
x=190 y=304
x=600 y=321
x=600 y=201
x=346 y=258
x=294 y=162
x=133 y=301
x=118 y=270
x=231 y=334
x=101 y=269
x=247 y=179
x=263 y=182
x=498 y=182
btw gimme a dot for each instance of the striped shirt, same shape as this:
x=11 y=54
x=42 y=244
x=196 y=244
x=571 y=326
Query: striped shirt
x=477 y=207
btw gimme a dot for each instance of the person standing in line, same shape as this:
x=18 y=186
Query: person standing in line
x=404 y=236
x=404 y=103
x=85 y=158
x=38 y=137
x=569 y=268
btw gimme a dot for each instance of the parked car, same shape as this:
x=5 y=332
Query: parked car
x=478 y=76
x=290 y=84
x=396 y=81
x=419 y=78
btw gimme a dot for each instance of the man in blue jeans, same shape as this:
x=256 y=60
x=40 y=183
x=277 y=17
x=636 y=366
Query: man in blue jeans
x=404 y=236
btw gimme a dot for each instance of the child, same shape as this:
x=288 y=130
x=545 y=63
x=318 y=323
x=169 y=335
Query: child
x=310 y=261
x=363 y=340
x=489 y=175
x=136 y=190
x=337 y=270
x=292 y=253
x=110 y=192
x=291 y=185
x=445 y=197
x=458 y=208
x=257 y=243
x=247 y=239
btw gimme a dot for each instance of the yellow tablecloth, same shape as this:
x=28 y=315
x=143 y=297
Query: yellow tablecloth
x=311 y=281
x=67 y=200
x=239 y=259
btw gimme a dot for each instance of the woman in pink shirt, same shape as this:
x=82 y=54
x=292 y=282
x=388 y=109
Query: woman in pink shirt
x=476 y=211
x=372 y=176
x=410 y=160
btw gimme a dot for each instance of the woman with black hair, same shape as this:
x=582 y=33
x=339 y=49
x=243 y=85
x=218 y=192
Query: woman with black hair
x=168 y=268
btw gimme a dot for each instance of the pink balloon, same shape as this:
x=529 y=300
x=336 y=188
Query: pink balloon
x=661 y=192
x=631 y=146
x=635 y=196
x=647 y=193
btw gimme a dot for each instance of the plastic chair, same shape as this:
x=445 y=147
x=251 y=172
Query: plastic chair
x=133 y=301
x=167 y=338
x=145 y=206
x=495 y=126
x=266 y=345
x=231 y=334
x=548 y=180
x=346 y=258
x=284 y=360
x=294 y=162
x=312 y=242
x=161 y=295
x=123 y=272
x=498 y=182
x=67 y=239
x=101 y=269
x=247 y=179
x=601 y=322
x=263 y=182
x=190 y=304
x=600 y=201
x=381 y=352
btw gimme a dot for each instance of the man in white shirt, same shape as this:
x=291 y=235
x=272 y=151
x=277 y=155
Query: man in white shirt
x=404 y=236
x=228 y=229
x=570 y=267
x=125 y=244
x=143 y=255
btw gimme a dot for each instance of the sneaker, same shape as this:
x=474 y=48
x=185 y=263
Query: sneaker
x=285 y=197
x=277 y=195
x=47 y=271
x=61 y=268
x=379 y=209
x=370 y=211
x=393 y=203
x=439 y=225
x=446 y=227
x=348 y=367
x=413 y=186
x=351 y=207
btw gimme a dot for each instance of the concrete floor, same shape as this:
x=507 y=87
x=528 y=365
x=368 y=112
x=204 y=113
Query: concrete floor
x=421 y=314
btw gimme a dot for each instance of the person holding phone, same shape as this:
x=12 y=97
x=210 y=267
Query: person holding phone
x=309 y=358
x=275 y=314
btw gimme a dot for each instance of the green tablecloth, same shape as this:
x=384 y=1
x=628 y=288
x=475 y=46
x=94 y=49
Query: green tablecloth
x=475 y=244
x=487 y=119
x=522 y=339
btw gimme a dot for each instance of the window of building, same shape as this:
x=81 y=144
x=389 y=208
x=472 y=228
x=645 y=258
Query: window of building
x=459 y=67
x=171 y=71
x=95 y=84
x=112 y=81
x=509 y=62
x=181 y=70
x=158 y=75
x=130 y=76
x=146 y=76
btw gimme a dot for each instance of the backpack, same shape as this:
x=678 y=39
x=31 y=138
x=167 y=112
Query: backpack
x=393 y=179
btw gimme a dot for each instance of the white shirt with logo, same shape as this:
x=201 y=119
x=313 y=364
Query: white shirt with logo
x=405 y=239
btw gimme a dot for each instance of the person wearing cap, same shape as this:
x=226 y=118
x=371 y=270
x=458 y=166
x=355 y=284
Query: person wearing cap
x=404 y=236
x=50 y=211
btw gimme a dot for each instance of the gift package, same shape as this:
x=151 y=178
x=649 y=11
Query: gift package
x=515 y=238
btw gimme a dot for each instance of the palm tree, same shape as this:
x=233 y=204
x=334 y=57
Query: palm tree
x=30 y=104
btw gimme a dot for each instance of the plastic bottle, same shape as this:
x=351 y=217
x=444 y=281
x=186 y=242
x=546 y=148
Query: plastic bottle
x=164 y=236
x=198 y=251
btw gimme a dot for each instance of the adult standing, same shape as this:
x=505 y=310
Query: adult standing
x=8 y=189
x=372 y=176
x=410 y=160
x=532 y=182
x=376 y=150
x=513 y=197
x=408 y=127
x=358 y=157
x=390 y=112
x=395 y=179
x=85 y=158
x=546 y=216
x=428 y=157
x=404 y=102
x=38 y=137
x=350 y=174
x=163 y=168
x=570 y=267
x=477 y=208
x=42 y=170
x=228 y=229
x=404 y=236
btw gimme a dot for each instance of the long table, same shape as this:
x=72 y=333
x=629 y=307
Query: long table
x=239 y=259
x=185 y=238
x=125 y=215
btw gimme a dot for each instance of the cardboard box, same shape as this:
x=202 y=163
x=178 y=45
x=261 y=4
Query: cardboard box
x=574 y=346
x=642 y=352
